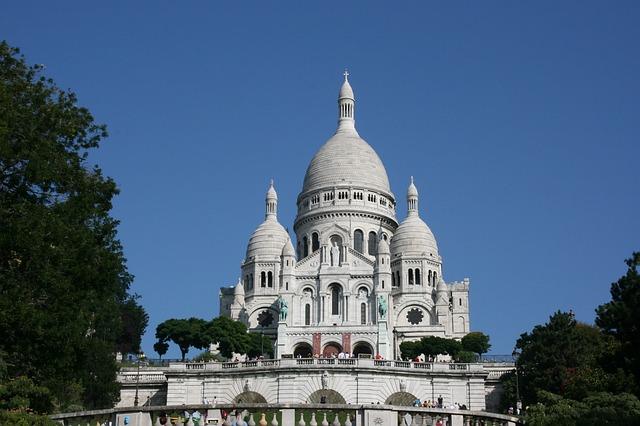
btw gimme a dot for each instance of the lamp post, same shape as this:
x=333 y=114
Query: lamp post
x=140 y=358
x=516 y=355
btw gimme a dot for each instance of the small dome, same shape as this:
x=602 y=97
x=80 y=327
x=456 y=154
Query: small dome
x=271 y=192
x=442 y=286
x=383 y=246
x=413 y=237
x=239 y=289
x=412 y=191
x=288 y=249
x=267 y=241
x=346 y=91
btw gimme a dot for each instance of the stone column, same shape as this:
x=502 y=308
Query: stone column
x=282 y=345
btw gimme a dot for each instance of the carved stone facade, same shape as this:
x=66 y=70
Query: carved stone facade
x=356 y=281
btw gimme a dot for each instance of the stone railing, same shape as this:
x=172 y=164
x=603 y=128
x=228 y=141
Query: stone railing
x=327 y=363
x=143 y=378
x=284 y=414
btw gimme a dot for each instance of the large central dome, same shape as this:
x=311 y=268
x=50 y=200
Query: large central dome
x=346 y=159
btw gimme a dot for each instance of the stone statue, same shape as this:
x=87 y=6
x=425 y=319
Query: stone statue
x=335 y=254
x=362 y=293
x=284 y=308
x=325 y=379
x=382 y=307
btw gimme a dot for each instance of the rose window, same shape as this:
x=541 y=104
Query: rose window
x=265 y=319
x=415 y=316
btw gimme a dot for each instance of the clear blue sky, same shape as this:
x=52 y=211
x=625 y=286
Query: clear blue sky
x=520 y=122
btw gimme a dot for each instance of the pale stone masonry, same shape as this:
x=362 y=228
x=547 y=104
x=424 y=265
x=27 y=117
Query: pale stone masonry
x=357 y=280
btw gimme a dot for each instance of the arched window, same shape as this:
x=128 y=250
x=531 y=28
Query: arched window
x=251 y=281
x=435 y=277
x=305 y=246
x=270 y=279
x=429 y=277
x=263 y=279
x=358 y=241
x=363 y=313
x=307 y=314
x=372 y=243
x=417 y=276
x=393 y=279
x=410 y=272
x=398 y=281
x=335 y=300
x=315 y=242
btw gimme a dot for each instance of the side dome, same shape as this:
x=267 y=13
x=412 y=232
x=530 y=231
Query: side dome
x=413 y=237
x=268 y=240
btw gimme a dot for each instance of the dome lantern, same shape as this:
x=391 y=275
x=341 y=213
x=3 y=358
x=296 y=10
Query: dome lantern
x=346 y=107
x=271 y=201
x=412 y=198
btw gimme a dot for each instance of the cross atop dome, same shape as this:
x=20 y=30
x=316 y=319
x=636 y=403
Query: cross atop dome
x=346 y=104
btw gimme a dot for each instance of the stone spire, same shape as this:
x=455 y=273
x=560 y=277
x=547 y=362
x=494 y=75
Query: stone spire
x=346 y=106
x=271 y=202
x=412 y=198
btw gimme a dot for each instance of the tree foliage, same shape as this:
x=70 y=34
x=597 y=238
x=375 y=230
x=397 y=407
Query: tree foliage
x=620 y=318
x=161 y=348
x=476 y=342
x=572 y=373
x=63 y=279
x=562 y=357
x=430 y=346
x=600 y=408
x=231 y=337
x=186 y=333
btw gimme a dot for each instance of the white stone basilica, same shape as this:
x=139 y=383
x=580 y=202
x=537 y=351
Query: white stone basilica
x=356 y=281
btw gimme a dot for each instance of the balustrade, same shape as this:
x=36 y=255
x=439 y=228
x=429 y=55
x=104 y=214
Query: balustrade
x=279 y=414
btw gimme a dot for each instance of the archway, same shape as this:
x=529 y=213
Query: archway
x=303 y=350
x=249 y=397
x=401 y=398
x=330 y=349
x=326 y=396
x=362 y=348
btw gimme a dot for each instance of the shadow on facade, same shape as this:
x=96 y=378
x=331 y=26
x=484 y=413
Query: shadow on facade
x=401 y=398
x=326 y=396
x=249 y=397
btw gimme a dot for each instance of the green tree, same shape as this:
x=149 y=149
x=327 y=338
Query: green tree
x=185 y=333
x=620 y=318
x=22 y=394
x=598 y=409
x=161 y=348
x=430 y=346
x=230 y=335
x=260 y=345
x=476 y=342
x=134 y=320
x=62 y=271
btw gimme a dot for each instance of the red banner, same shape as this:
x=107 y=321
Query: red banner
x=317 y=339
x=346 y=342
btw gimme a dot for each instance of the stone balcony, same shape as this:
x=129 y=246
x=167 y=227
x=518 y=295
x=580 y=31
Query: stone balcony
x=327 y=363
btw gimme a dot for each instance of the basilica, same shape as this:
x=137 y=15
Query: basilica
x=355 y=280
